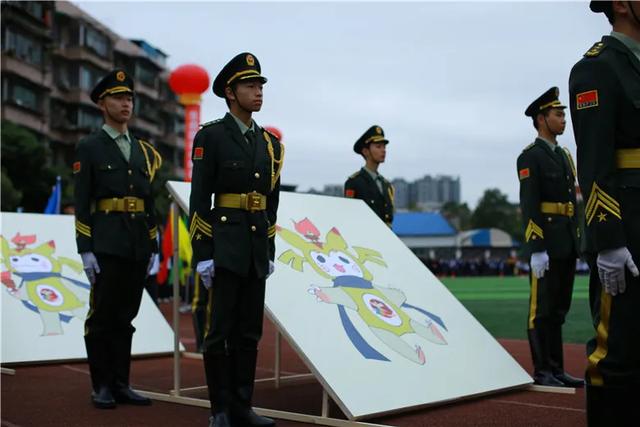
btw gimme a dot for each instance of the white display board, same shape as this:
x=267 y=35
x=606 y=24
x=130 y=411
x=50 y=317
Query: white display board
x=45 y=294
x=378 y=330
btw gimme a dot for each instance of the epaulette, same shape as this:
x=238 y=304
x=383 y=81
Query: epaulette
x=528 y=147
x=355 y=174
x=271 y=134
x=212 y=122
x=595 y=50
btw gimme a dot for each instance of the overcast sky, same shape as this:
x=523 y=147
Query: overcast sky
x=447 y=81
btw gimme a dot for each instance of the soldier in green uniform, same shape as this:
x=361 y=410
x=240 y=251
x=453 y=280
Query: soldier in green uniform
x=605 y=109
x=367 y=184
x=233 y=242
x=548 y=200
x=116 y=236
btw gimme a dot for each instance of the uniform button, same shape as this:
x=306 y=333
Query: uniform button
x=253 y=228
x=386 y=215
x=129 y=172
x=548 y=219
x=373 y=201
x=223 y=218
x=130 y=186
x=108 y=166
x=257 y=175
x=133 y=216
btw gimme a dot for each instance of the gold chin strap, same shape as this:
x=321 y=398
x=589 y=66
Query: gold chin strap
x=276 y=164
x=152 y=166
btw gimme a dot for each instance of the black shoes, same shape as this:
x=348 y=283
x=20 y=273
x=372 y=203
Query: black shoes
x=547 y=379
x=128 y=396
x=103 y=399
x=569 y=381
x=219 y=420
x=246 y=417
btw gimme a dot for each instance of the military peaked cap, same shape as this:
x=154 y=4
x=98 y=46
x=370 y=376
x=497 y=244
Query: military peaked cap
x=605 y=7
x=116 y=81
x=242 y=67
x=549 y=99
x=373 y=134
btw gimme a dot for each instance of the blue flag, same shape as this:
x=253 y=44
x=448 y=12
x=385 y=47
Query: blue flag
x=53 y=205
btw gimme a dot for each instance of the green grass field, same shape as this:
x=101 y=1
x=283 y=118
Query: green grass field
x=501 y=304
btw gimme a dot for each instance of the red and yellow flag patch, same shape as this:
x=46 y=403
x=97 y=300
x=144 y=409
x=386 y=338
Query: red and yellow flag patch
x=198 y=153
x=524 y=173
x=350 y=193
x=587 y=100
x=76 y=167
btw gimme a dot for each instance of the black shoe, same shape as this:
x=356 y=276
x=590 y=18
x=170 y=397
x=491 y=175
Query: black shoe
x=569 y=381
x=103 y=399
x=547 y=379
x=246 y=417
x=128 y=396
x=219 y=420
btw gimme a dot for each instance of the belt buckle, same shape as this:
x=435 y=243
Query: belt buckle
x=130 y=204
x=570 y=209
x=253 y=201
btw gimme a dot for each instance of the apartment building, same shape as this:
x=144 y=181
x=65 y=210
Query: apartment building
x=53 y=54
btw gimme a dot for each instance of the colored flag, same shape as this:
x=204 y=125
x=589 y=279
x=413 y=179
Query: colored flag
x=53 y=205
x=184 y=250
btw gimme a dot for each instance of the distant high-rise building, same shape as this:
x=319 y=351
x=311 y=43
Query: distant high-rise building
x=333 y=190
x=402 y=196
x=52 y=56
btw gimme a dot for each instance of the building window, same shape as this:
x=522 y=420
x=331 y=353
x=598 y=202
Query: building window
x=96 y=41
x=146 y=109
x=24 y=97
x=146 y=75
x=23 y=47
x=89 y=77
x=89 y=119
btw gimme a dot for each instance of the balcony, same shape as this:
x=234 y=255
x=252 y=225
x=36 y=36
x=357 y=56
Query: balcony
x=32 y=73
x=79 y=53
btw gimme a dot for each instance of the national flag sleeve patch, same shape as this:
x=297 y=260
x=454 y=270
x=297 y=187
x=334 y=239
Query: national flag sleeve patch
x=524 y=173
x=587 y=100
x=76 y=167
x=198 y=153
x=350 y=193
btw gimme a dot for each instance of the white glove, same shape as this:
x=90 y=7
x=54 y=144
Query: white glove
x=272 y=267
x=611 y=265
x=206 y=269
x=150 y=265
x=90 y=265
x=539 y=263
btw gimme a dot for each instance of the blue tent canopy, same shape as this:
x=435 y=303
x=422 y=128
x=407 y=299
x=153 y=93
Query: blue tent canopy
x=487 y=238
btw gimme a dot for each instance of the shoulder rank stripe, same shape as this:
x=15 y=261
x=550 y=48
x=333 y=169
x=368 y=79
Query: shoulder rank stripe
x=83 y=229
x=353 y=175
x=153 y=233
x=533 y=231
x=204 y=125
x=599 y=199
x=271 y=231
x=198 y=224
x=595 y=50
x=533 y=144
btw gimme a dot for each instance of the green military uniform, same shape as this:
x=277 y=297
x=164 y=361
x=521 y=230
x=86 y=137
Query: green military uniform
x=368 y=185
x=605 y=110
x=238 y=233
x=115 y=220
x=548 y=200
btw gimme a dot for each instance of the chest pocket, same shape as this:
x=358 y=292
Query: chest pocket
x=111 y=176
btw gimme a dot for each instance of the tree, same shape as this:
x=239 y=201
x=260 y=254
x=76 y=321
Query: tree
x=457 y=214
x=10 y=196
x=24 y=161
x=495 y=211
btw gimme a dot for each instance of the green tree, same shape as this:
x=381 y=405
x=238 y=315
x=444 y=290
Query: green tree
x=457 y=214
x=10 y=196
x=495 y=211
x=24 y=161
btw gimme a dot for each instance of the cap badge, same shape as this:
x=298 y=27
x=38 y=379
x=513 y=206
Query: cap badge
x=250 y=61
x=378 y=130
x=120 y=76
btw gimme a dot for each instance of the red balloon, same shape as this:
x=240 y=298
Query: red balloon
x=274 y=130
x=189 y=78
